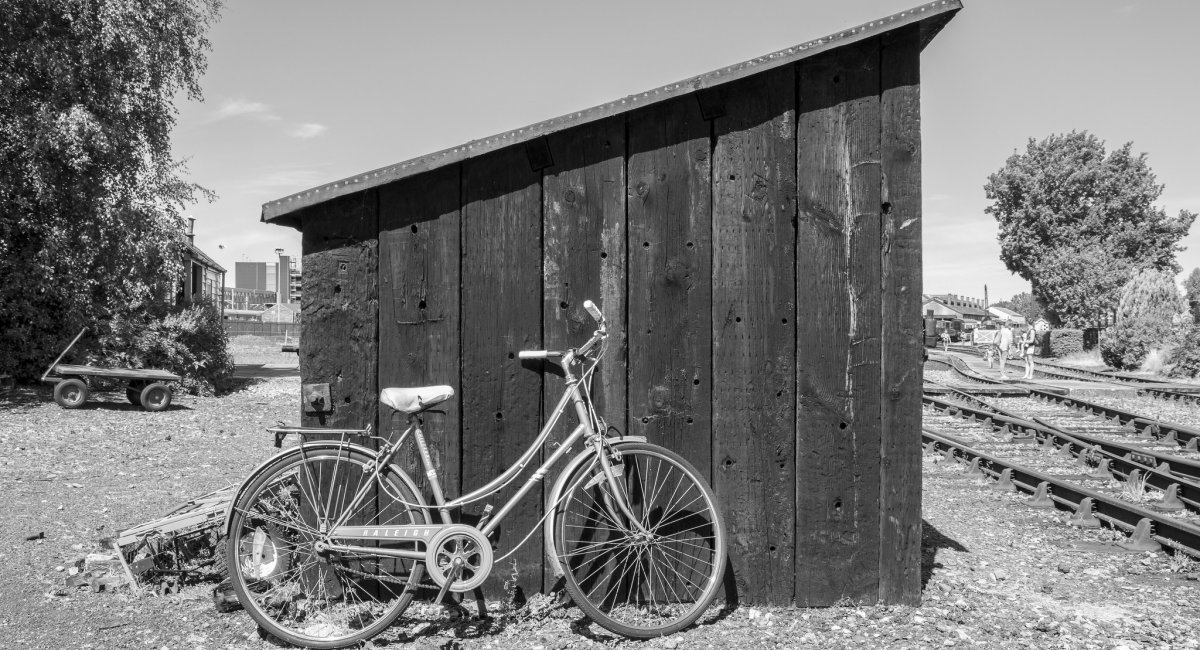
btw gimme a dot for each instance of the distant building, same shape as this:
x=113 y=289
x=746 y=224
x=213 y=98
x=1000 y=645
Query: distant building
x=950 y=306
x=203 y=278
x=281 y=278
x=1003 y=313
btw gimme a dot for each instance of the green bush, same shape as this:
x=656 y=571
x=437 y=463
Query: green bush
x=1059 y=343
x=188 y=341
x=1187 y=355
x=1147 y=318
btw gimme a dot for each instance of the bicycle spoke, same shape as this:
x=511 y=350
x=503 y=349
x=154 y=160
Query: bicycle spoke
x=336 y=597
x=657 y=573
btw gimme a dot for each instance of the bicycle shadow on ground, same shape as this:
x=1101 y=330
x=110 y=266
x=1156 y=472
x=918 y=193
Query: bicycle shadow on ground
x=933 y=540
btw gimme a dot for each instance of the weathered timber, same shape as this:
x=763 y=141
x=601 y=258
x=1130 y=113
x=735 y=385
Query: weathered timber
x=502 y=315
x=754 y=331
x=670 y=279
x=66 y=370
x=900 y=388
x=419 y=310
x=756 y=249
x=340 y=344
x=584 y=254
x=340 y=307
x=838 y=349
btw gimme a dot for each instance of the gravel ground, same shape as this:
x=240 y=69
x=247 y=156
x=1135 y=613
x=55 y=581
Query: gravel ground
x=998 y=574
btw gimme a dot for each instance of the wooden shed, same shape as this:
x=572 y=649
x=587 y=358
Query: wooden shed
x=754 y=235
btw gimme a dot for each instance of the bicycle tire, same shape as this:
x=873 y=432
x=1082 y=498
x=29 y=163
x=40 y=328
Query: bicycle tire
x=611 y=572
x=320 y=600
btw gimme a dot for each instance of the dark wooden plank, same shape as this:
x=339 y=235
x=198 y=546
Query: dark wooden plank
x=419 y=309
x=584 y=254
x=900 y=462
x=838 y=350
x=340 y=291
x=501 y=315
x=754 y=331
x=670 y=277
x=340 y=342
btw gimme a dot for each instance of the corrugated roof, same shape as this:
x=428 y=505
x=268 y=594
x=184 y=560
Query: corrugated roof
x=931 y=16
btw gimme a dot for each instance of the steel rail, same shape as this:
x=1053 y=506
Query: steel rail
x=1187 y=437
x=1142 y=385
x=1168 y=531
x=1121 y=461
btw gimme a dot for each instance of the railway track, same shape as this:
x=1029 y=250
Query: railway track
x=1143 y=385
x=1099 y=481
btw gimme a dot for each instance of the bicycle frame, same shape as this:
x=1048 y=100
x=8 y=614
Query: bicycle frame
x=573 y=395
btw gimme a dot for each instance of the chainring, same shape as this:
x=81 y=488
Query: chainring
x=464 y=546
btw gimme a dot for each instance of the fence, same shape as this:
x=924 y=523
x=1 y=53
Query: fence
x=275 y=330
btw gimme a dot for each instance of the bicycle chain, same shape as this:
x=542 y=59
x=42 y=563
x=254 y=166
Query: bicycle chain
x=398 y=581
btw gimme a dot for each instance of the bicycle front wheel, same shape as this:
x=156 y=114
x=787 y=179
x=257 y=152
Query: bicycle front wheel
x=305 y=596
x=648 y=580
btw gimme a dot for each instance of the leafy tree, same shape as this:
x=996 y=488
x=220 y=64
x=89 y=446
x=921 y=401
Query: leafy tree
x=90 y=195
x=1150 y=316
x=1191 y=291
x=1077 y=222
x=1024 y=304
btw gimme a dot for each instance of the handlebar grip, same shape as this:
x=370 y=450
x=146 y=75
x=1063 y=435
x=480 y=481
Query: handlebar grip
x=533 y=354
x=593 y=310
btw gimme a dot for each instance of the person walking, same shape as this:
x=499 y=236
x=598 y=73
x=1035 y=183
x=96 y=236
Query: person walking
x=1005 y=344
x=1028 y=348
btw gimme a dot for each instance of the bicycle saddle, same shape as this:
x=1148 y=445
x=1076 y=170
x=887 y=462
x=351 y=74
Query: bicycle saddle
x=411 y=400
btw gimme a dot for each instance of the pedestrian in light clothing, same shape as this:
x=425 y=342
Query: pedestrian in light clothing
x=1005 y=344
x=1028 y=348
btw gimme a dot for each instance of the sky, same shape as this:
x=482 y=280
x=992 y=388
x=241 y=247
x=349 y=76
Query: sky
x=299 y=93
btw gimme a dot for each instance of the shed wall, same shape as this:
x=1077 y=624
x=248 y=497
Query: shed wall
x=757 y=249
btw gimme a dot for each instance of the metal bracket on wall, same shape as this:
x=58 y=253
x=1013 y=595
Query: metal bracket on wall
x=316 y=398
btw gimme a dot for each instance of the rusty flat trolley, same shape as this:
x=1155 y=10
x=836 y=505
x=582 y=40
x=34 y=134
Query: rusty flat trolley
x=145 y=387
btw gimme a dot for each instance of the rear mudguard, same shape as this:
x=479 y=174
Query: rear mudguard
x=313 y=446
x=586 y=456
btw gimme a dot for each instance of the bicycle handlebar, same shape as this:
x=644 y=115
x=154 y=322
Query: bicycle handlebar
x=538 y=354
x=594 y=311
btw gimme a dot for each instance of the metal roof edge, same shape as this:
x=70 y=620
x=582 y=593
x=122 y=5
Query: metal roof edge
x=933 y=16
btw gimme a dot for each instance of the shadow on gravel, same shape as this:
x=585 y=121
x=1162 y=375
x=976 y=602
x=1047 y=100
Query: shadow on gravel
x=237 y=384
x=24 y=396
x=932 y=539
x=98 y=400
x=123 y=406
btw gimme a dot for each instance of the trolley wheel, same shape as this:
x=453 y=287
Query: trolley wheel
x=70 y=393
x=156 y=397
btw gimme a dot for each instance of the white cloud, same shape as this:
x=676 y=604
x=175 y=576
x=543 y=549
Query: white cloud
x=239 y=107
x=307 y=130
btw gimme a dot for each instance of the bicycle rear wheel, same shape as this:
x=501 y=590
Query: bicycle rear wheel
x=642 y=584
x=320 y=599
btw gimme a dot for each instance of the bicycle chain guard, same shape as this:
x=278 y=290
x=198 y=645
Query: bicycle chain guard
x=463 y=546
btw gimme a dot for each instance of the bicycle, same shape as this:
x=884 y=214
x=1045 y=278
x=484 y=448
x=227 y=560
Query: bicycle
x=329 y=541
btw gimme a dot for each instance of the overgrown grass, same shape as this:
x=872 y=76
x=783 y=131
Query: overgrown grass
x=260 y=350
